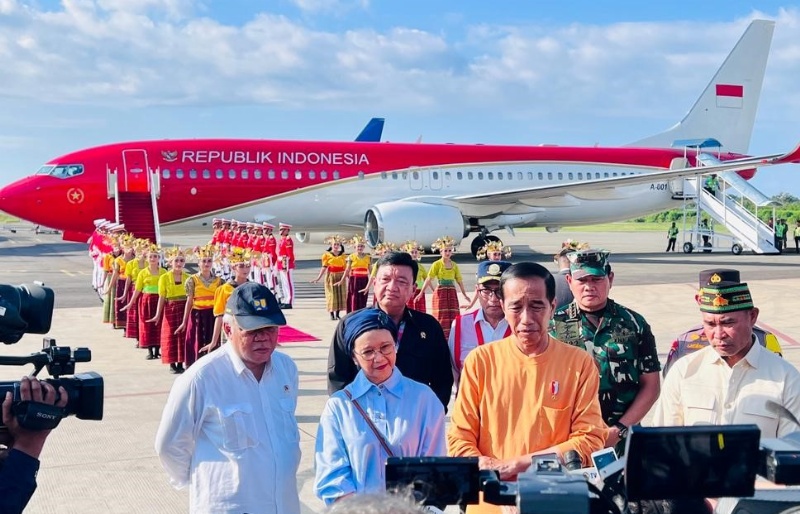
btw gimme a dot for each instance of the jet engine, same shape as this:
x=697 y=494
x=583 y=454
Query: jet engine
x=422 y=222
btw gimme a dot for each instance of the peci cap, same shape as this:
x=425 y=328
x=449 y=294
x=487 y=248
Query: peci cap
x=491 y=270
x=254 y=307
x=588 y=262
x=719 y=276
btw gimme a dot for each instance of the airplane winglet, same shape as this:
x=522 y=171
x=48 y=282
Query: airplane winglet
x=791 y=157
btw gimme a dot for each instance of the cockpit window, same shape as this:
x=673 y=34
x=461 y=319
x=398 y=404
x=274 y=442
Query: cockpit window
x=67 y=170
x=45 y=170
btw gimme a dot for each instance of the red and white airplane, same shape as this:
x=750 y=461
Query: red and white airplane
x=395 y=191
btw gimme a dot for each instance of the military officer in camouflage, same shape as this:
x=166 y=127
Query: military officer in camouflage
x=619 y=339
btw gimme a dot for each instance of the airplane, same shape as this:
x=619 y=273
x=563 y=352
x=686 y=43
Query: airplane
x=401 y=191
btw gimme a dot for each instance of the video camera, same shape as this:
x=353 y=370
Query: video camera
x=680 y=464
x=28 y=309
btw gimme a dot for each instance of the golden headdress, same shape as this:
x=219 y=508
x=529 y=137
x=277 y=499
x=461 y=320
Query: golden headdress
x=493 y=246
x=204 y=252
x=410 y=246
x=174 y=252
x=442 y=243
x=335 y=238
x=154 y=248
x=570 y=246
x=239 y=255
x=357 y=240
x=127 y=241
x=381 y=248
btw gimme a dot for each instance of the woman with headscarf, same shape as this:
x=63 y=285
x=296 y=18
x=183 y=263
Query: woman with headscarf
x=379 y=415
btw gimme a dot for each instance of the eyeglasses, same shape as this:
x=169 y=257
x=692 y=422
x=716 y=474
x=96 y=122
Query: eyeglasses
x=386 y=349
x=488 y=293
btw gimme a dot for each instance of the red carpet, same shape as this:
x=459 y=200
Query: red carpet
x=289 y=334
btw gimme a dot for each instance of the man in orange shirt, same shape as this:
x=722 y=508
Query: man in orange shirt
x=527 y=394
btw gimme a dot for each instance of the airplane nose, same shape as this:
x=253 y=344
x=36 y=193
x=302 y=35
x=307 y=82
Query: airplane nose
x=13 y=200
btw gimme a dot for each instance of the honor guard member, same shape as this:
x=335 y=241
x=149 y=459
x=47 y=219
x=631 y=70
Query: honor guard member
x=619 y=339
x=695 y=338
x=286 y=266
x=483 y=325
x=216 y=225
x=270 y=257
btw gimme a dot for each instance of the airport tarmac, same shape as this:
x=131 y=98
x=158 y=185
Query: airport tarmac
x=110 y=466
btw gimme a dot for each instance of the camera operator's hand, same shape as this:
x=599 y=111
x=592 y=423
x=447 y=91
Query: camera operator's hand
x=28 y=441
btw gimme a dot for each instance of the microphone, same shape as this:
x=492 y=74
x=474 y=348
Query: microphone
x=572 y=460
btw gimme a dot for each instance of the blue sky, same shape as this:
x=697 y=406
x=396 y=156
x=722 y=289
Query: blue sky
x=78 y=73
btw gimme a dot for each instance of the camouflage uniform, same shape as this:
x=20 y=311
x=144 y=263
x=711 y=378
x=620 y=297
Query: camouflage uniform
x=623 y=347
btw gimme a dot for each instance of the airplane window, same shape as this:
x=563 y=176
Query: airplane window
x=271 y=174
x=499 y=175
x=415 y=174
x=459 y=175
x=179 y=174
x=323 y=175
x=192 y=173
x=490 y=175
x=405 y=175
x=570 y=175
x=312 y=174
x=435 y=175
x=165 y=173
x=448 y=175
x=541 y=176
x=530 y=175
x=360 y=175
x=596 y=174
x=480 y=175
x=560 y=176
x=335 y=175
x=469 y=175
x=519 y=175
x=549 y=175
x=615 y=174
x=257 y=174
x=605 y=174
x=206 y=173
x=394 y=175
x=218 y=174
x=298 y=175
x=580 y=175
x=284 y=174
x=385 y=175
x=245 y=174
x=44 y=170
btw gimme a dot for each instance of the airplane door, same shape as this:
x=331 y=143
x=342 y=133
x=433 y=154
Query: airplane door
x=436 y=179
x=135 y=176
x=415 y=180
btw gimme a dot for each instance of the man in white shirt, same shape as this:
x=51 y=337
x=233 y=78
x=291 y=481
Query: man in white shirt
x=734 y=380
x=228 y=430
x=481 y=326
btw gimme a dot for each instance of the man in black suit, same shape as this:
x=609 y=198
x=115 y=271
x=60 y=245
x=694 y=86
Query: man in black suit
x=422 y=355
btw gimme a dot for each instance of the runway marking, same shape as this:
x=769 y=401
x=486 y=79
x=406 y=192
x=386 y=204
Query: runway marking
x=68 y=273
x=792 y=341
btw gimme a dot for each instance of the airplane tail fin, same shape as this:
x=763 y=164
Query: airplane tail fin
x=727 y=108
x=372 y=131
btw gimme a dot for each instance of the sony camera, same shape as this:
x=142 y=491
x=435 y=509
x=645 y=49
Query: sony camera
x=28 y=309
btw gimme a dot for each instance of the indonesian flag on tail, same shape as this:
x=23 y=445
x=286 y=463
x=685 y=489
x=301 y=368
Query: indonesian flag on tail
x=730 y=96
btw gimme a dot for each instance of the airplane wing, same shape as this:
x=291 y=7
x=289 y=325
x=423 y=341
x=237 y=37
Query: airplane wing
x=606 y=187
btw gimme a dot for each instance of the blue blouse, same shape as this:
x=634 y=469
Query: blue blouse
x=348 y=456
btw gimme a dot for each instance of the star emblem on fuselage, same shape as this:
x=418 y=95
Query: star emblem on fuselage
x=75 y=195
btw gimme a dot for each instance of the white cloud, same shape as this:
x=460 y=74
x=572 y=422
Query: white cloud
x=329 y=6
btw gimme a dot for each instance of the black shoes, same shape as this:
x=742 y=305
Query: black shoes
x=286 y=306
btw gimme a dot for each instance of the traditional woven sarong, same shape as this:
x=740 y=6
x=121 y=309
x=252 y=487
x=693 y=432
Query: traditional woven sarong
x=173 y=345
x=198 y=333
x=355 y=299
x=119 y=303
x=149 y=333
x=445 y=306
x=108 y=303
x=335 y=295
x=132 y=316
x=417 y=305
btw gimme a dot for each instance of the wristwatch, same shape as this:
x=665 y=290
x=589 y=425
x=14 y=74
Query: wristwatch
x=622 y=430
